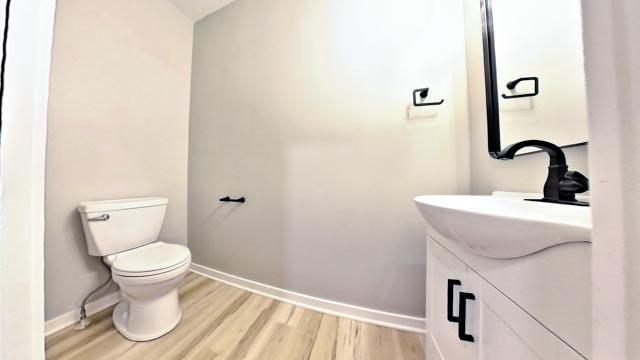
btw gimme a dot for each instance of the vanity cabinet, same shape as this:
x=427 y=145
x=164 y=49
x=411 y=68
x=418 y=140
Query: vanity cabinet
x=469 y=319
x=445 y=277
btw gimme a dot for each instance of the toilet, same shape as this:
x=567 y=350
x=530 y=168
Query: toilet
x=125 y=233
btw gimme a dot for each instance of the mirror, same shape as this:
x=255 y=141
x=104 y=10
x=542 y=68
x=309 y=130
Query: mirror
x=534 y=72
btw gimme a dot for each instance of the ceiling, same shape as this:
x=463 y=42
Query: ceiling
x=198 y=9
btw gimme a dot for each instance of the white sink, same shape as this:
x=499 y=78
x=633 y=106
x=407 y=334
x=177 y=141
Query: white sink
x=504 y=227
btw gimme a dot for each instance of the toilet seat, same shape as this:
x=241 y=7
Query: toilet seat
x=168 y=275
x=149 y=260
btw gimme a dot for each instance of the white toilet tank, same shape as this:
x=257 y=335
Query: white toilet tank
x=114 y=226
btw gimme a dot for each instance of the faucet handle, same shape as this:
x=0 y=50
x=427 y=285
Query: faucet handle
x=574 y=182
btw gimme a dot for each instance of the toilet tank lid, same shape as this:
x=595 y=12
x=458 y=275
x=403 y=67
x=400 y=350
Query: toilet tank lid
x=120 y=204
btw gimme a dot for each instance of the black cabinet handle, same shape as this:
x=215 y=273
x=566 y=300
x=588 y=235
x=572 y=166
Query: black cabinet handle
x=462 y=314
x=450 y=284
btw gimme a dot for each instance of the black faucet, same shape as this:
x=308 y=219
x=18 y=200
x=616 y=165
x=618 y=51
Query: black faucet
x=562 y=185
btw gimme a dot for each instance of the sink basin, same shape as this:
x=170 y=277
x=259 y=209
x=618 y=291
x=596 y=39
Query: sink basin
x=504 y=227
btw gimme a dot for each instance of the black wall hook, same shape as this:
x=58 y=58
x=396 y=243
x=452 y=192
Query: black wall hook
x=512 y=85
x=228 y=199
x=423 y=93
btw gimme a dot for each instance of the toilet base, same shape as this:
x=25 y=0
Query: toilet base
x=140 y=322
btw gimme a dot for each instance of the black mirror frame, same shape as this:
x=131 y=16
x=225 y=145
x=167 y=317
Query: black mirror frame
x=3 y=61
x=491 y=83
x=490 y=79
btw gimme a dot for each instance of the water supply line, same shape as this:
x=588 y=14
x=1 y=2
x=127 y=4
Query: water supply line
x=83 y=308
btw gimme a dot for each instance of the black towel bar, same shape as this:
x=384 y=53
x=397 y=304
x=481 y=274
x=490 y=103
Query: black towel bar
x=228 y=199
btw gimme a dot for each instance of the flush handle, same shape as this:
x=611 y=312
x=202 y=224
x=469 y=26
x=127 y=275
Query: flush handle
x=104 y=217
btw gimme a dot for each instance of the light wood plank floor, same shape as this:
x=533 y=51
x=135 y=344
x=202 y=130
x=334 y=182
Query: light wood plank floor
x=223 y=322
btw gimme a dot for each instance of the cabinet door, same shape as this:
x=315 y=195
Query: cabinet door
x=444 y=272
x=503 y=331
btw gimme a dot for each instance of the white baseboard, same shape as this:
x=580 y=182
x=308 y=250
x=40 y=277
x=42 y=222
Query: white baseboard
x=70 y=318
x=396 y=321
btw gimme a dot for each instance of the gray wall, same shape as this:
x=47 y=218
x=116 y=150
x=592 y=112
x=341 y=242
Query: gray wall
x=301 y=106
x=524 y=174
x=117 y=127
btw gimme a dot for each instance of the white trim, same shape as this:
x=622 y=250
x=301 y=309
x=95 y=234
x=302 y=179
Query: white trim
x=73 y=316
x=22 y=177
x=377 y=317
x=612 y=66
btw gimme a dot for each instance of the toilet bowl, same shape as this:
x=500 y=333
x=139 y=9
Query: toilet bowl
x=148 y=278
x=124 y=232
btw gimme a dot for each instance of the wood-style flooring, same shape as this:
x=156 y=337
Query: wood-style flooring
x=224 y=322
